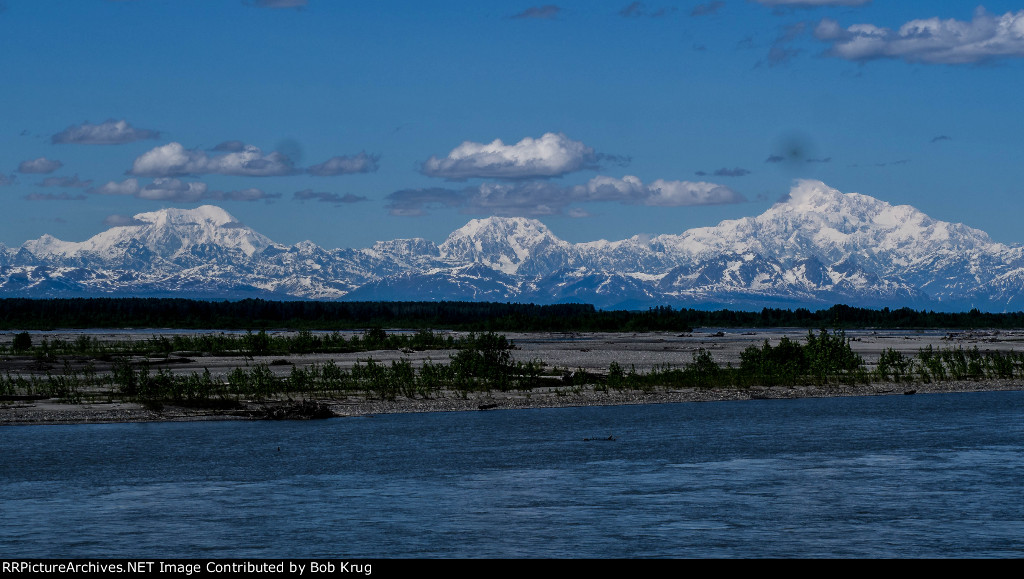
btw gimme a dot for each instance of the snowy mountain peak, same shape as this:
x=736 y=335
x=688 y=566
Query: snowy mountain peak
x=173 y=233
x=813 y=202
x=47 y=245
x=491 y=227
x=200 y=215
x=829 y=217
x=502 y=243
x=192 y=236
x=811 y=195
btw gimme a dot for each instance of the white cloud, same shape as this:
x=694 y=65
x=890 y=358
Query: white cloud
x=170 y=159
x=661 y=193
x=6 y=180
x=628 y=189
x=126 y=187
x=681 y=193
x=551 y=155
x=40 y=165
x=173 y=160
x=930 y=40
x=344 y=165
x=110 y=132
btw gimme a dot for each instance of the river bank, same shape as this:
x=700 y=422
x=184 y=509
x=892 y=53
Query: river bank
x=560 y=354
x=40 y=412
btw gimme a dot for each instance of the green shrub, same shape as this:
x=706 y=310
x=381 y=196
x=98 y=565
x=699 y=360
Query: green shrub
x=22 y=342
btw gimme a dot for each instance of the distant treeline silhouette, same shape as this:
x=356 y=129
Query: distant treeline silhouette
x=41 y=314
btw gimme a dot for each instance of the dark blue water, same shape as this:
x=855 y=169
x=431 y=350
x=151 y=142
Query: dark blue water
x=897 y=476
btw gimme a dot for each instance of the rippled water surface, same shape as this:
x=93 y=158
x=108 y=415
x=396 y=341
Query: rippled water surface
x=896 y=476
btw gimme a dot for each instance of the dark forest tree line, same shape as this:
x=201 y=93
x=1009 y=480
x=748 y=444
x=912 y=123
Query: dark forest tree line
x=19 y=313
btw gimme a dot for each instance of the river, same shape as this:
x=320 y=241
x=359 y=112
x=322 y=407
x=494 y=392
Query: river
x=937 y=475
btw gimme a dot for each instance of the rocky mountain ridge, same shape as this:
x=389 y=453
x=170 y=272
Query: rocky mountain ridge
x=816 y=248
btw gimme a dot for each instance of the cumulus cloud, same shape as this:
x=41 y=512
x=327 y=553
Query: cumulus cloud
x=931 y=40
x=64 y=182
x=110 y=132
x=6 y=180
x=41 y=165
x=162 y=189
x=54 y=197
x=546 y=12
x=126 y=187
x=344 y=165
x=551 y=155
x=540 y=198
x=661 y=193
x=337 y=199
x=123 y=221
x=174 y=160
x=706 y=9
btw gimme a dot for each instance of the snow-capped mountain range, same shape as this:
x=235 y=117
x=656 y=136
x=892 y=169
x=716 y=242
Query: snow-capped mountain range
x=817 y=248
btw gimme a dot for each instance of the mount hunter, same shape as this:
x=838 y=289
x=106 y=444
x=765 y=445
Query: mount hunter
x=817 y=248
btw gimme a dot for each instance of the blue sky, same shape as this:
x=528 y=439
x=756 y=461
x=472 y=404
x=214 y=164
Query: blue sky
x=348 y=122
